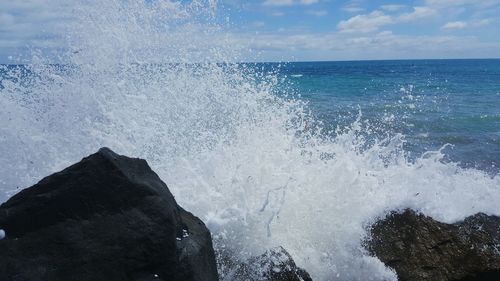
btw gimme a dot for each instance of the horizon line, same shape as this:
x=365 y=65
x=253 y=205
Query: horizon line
x=295 y=61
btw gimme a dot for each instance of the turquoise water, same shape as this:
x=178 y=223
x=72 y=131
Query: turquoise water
x=431 y=102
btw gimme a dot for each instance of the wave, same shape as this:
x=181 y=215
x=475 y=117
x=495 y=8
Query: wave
x=156 y=80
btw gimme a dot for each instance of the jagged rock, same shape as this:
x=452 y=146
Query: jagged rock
x=274 y=265
x=108 y=217
x=420 y=248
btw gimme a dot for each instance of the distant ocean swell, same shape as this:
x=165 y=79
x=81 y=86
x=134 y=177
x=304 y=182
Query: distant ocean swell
x=252 y=162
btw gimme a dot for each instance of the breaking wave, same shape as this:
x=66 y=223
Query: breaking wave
x=157 y=80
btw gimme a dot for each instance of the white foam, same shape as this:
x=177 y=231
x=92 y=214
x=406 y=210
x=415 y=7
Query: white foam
x=250 y=164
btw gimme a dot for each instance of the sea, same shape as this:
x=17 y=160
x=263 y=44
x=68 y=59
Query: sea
x=453 y=105
x=304 y=155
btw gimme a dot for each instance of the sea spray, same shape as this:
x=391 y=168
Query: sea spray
x=157 y=80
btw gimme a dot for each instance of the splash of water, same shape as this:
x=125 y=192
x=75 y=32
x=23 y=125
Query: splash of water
x=153 y=80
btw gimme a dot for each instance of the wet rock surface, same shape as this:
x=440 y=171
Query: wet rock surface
x=418 y=247
x=108 y=217
x=274 y=265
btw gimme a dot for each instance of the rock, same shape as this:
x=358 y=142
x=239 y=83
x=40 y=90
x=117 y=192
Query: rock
x=108 y=217
x=274 y=265
x=420 y=248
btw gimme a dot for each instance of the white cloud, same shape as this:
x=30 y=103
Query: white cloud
x=479 y=23
x=377 y=19
x=462 y=24
x=258 y=24
x=317 y=13
x=288 y=2
x=28 y=22
x=418 y=13
x=352 y=9
x=277 y=14
x=308 y=2
x=445 y=3
x=278 y=3
x=385 y=33
x=365 y=23
x=454 y=25
x=382 y=45
x=451 y=3
x=392 y=8
x=353 y=6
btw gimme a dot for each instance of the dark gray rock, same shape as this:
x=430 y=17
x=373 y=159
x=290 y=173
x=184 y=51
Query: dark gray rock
x=108 y=217
x=274 y=265
x=420 y=248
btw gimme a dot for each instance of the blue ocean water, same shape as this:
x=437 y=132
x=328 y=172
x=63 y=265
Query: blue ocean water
x=431 y=102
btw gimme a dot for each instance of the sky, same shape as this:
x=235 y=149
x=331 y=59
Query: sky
x=303 y=30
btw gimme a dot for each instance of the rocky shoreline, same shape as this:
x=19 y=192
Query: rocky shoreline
x=420 y=248
x=110 y=217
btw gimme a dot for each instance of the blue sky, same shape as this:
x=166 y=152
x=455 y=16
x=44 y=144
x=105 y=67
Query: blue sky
x=292 y=30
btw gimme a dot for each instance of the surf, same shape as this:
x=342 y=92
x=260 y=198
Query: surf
x=160 y=80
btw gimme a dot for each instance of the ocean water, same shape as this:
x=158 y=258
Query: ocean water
x=433 y=103
x=303 y=155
